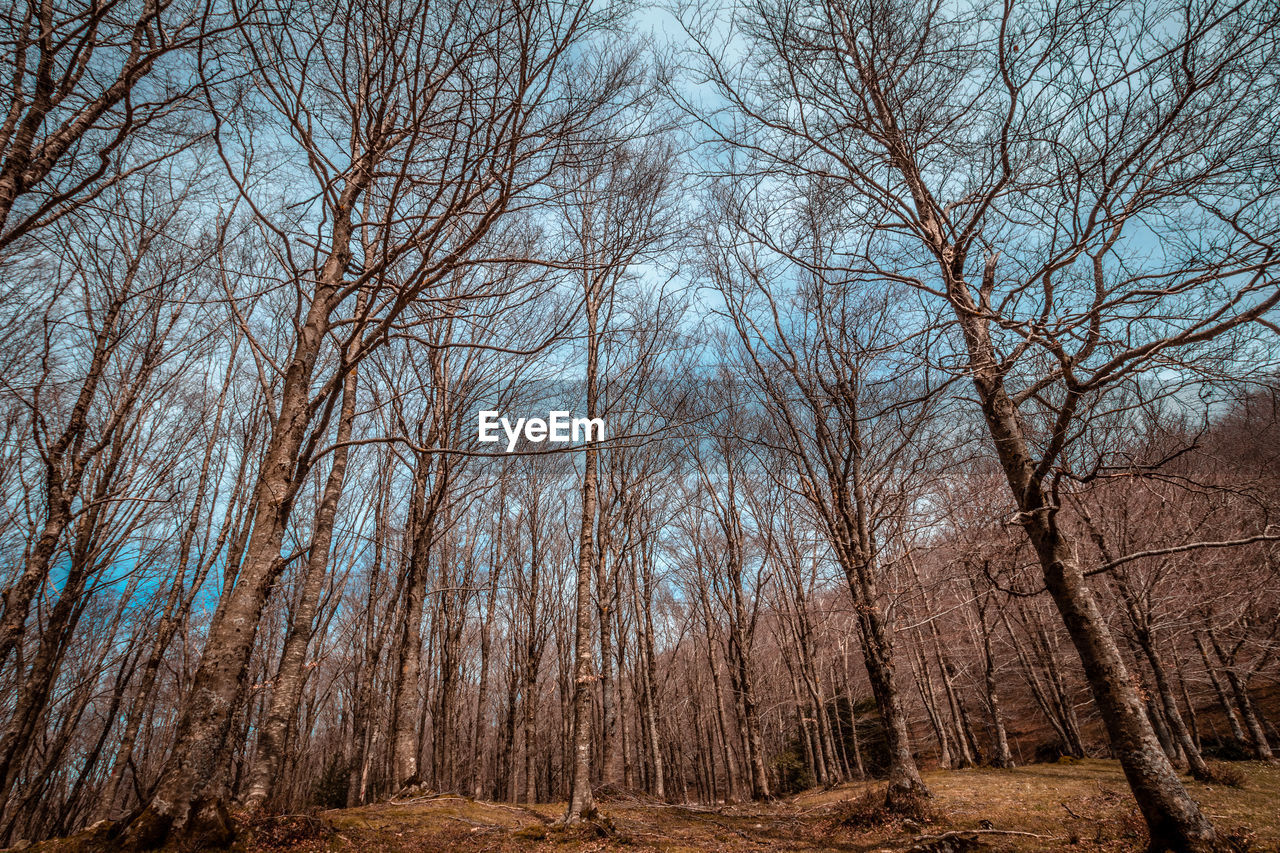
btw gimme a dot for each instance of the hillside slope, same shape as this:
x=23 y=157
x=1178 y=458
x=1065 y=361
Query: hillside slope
x=1082 y=805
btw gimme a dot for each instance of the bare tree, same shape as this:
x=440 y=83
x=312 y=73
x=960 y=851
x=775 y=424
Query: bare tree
x=613 y=220
x=972 y=366
x=847 y=402
x=933 y=118
x=387 y=72
x=90 y=90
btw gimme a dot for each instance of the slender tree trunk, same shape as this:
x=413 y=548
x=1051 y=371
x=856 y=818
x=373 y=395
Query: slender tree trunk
x=853 y=718
x=649 y=681
x=507 y=789
x=838 y=732
x=877 y=656
x=1184 y=750
x=581 y=804
x=451 y=625
x=964 y=738
x=530 y=729
x=1002 y=757
x=291 y=673
x=365 y=725
x=969 y=754
x=1195 y=761
x=606 y=594
x=924 y=684
x=1043 y=699
x=813 y=758
x=405 y=698
x=1173 y=818
x=748 y=715
x=827 y=770
x=1228 y=709
x=1058 y=690
x=1180 y=671
x=482 y=691
x=858 y=560
x=1240 y=689
x=722 y=729
x=1000 y=738
x=826 y=739
x=426 y=502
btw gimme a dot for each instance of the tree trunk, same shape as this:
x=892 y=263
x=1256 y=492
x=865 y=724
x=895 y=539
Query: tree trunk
x=857 y=556
x=1173 y=818
x=1044 y=701
x=1228 y=710
x=530 y=708
x=649 y=682
x=1002 y=757
x=748 y=715
x=581 y=804
x=506 y=787
x=1195 y=761
x=291 y=673
x=1000 y=738
x=1240 y=689
x=877 y=656
x=482 y=691
x=404 y=729
x=606 y=594
x=190 y=798
x=924 y=684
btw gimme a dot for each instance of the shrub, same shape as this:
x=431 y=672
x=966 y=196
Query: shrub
x=791 y=772
x=1225 y=774
x=880 y=807
x=1224 y=749
x=330 y=790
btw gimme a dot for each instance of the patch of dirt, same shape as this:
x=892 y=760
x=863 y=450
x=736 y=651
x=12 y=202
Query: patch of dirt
x=1079 y=806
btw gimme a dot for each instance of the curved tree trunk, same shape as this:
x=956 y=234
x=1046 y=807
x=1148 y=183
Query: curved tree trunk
x=1240 y=689
x=1228 y=710
x=291 y=673
x=1173 y=818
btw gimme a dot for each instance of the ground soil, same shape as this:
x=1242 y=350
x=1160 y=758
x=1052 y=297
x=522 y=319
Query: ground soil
x=1079 y=805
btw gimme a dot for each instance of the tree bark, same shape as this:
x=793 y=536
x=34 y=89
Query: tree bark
x=1240 y=689
x=1173 y=818
x=581 y=803
x=291 y=673
x=190 y=798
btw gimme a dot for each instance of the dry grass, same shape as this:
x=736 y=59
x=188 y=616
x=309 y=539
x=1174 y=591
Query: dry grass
x=1080 y=805
x=1077 y=805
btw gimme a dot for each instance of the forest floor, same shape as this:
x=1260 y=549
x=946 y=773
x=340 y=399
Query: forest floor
x=1077 y=805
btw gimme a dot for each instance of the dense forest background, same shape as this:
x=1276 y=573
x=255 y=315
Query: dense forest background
x=936 y=345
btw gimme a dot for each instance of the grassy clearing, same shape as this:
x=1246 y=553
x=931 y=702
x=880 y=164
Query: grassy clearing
x=1075 y=805
x=1082 y=805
